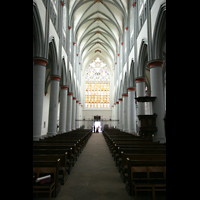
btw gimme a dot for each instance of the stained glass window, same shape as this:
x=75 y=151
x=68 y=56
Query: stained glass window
x=97 y=88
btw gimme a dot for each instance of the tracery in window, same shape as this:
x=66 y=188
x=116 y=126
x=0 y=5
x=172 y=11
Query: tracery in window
x=97 y=88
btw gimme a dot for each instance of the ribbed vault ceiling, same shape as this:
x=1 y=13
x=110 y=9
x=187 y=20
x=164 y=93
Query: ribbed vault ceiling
x=98 y=26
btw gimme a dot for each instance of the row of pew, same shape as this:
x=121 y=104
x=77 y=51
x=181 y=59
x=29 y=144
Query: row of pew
x=56 y=156
x=141 y=162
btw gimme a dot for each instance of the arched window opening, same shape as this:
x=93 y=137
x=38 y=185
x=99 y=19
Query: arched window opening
x=97 y=88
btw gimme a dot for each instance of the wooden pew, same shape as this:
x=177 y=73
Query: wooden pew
x=142 y=150
x=148 y=178
x=64 y=140
x=130 y=142
x=124 y=166
x=58 y=146
x=74 y=137
x=133 y=163
x=57 y=151
x=136 y=144
x=45 y=188
x=47 y=167
x=117 y=140
x=53 y=157
x=151 y=146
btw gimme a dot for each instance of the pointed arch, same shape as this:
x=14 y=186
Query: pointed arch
x=143 y=58
x=115 y=23
x=38 y=36
x=125 y=84
x=52 y=57
x=63 y=80
x=132 y=75
x=102 y=43
x=120 y=90
x=103 y=32
x=74 y=86
x=69 y=81
x=159 y=35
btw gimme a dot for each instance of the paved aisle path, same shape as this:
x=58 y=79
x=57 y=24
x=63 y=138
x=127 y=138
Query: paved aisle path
x=94 y=176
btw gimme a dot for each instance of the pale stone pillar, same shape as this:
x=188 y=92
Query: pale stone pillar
x=140 y=88
x=131 y=111
x=77 y=114
x=125 y=112
x=158 y=104
x=69 y=112
x=73 y=112
x=53 y=106
x=115 y=108
x=117 y=117
x=63 y=109
x=39 y=69
x=120 y=115
x=80 y=115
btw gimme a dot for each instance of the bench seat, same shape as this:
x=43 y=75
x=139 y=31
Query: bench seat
x=142 y=180
x=44 y=188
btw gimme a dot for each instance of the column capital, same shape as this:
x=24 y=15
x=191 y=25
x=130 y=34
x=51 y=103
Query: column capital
x=62 y=3
x=117 y=102
x=74 y=98
x=40 y=61
x=120 y=99
x=140 y=79
x=124 y=95
x=77 y=101
x=70 y=94
x=131 y=89
x=55 y=78
x=64 y=87
x=155 y=63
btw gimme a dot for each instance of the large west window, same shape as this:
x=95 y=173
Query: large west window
x=97 y=86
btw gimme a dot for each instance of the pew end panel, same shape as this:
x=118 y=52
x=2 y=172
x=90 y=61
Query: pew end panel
x=47 y=187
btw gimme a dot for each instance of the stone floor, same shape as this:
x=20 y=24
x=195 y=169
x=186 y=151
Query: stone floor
x=95 y=176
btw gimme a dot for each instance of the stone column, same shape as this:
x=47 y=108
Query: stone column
x=77 y=114
x=53 y=106
x=63 y=109
x=117 y=116
x=140 y=88
x=131 y=111
x=113 y=115
x=73 y=112
x=158 y=104
x=69 y=112
x=80 y=115
x=125 y=112
x=39 y=69
x=120 y=115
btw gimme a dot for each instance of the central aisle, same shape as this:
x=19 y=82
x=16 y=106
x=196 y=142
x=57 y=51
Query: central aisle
x=94 y=176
